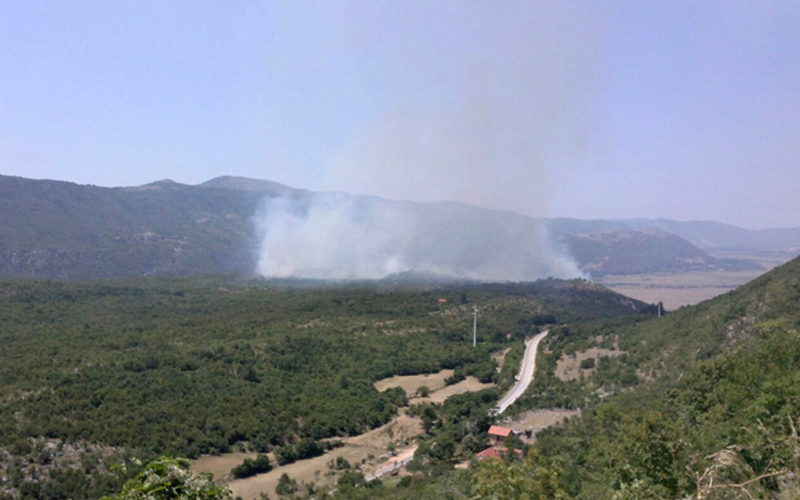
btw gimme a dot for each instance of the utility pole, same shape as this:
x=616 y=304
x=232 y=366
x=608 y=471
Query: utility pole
x=475 y=325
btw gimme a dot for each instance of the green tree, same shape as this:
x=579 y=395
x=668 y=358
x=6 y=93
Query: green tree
x=169 y=478
x=286 y=485
x=533 y=479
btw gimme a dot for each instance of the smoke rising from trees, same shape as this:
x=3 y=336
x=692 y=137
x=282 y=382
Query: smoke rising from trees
x=334 y=236
x=499 y=125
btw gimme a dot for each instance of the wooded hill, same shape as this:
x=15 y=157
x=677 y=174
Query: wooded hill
x=62 y=230
x=702 y=403
x=716 y=403
x=644 y=252
x=196 y=365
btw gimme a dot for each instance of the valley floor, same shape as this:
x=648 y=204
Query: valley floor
x=677 y=290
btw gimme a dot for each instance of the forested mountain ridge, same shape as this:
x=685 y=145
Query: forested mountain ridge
x=646 y=252
x=61 y=230
x=707 y=235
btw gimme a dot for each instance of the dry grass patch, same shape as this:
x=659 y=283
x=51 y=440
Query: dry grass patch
x=681 y=289
x=411 y=383
x=500 y=358
x=314 y=470
x=220 y=465
x=569 y=367
x=400 y=431
x=537 y=420
x=369 y=450
x=469 y=384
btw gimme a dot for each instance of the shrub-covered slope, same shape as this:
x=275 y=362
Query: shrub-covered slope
x=194 y=365
x=715 y=408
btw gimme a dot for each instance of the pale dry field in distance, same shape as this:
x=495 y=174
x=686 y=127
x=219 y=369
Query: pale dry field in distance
x=676 y=290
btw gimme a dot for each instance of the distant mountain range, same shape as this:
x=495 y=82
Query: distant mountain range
x=707 y=235
x=61 y=230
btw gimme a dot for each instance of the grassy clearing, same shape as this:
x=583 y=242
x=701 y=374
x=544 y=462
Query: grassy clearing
x=411 y=383
x=314 y=470
x=470 y=384
x=369 y=450
x=500 y=358
x=220 y=465
x=568 y=367
x=538 y=420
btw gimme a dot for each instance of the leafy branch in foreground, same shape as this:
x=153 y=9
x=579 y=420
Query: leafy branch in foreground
x=170 y=478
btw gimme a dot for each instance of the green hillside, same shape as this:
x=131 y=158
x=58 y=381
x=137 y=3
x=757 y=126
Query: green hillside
x=716 y=402
x=199 y=365
x=702 y=403
x=632 y=252
x=60 y=230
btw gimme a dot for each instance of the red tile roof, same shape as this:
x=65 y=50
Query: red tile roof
x=496 y=430
x=489 y=453
x=496 y=452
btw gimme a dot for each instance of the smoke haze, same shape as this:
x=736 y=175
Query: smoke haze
x=335 y=236
x=500 y=124
x=506 y=120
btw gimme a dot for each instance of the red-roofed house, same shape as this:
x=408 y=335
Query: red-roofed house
x=489 y=453
x=496 y=452
x=498 y=434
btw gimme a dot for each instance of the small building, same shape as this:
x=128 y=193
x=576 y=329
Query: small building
x=496 y=452
x=497 y=434
x=489 y=453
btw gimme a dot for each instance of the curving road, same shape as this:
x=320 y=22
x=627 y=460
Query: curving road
x=525 y=374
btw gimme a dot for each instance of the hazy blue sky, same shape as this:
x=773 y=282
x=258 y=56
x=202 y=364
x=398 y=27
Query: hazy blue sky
x=674 y=109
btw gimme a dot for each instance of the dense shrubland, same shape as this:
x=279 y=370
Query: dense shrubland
x=703 y=403
x=186 y=366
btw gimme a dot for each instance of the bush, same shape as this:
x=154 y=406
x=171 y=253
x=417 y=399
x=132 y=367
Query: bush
x=286 y=485
x=308 y=448
x=285 y=455
x=251 y=467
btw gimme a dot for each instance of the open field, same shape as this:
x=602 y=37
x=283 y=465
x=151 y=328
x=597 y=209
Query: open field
x=314 y=470
x=537 y=420
x=676 y=290
x=569 y=367
x=410 y=383
x=369 y=450
x=469 y=384
x=220 y=465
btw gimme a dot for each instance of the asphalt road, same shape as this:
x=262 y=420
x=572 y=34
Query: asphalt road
x=525 y=373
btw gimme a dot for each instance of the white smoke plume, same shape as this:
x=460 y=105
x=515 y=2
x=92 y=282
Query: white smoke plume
x=333 y=236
